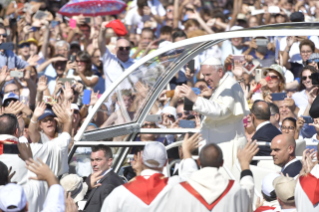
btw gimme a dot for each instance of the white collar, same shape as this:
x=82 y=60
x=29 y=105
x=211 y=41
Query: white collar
x=149 y=172
x=290 y=162
x=262 y=124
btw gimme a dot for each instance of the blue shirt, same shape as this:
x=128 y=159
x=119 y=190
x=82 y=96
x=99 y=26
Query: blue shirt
x=12 y=60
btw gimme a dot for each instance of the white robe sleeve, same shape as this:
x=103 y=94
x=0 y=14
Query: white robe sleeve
x=247 y=183
x=186 y=168
x=213 y=109
x=55 y=199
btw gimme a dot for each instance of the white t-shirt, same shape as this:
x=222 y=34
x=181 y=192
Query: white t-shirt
x=155 y=5
x=294 y=52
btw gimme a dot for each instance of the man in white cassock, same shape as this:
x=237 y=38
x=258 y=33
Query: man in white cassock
x=207 y=190
x=307 y=188
x=146 y=193
x=224 y=111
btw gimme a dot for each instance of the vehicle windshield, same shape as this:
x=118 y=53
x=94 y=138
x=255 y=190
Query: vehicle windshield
x=125 y=104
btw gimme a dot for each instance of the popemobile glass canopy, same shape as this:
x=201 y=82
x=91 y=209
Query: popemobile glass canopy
x=147 y=78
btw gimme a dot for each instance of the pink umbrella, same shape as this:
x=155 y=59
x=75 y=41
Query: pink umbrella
x=92 y=7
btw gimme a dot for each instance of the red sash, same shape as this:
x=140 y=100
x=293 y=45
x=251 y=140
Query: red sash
x=147 y=189
x=6 y=141
x=310 y=185
x=191 y=190
x=264 y=208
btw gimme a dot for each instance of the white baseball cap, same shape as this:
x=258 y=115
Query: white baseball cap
x=267 y=183
x=170 y=110
x=12 y=195
x=10 y=95
x=154 y=155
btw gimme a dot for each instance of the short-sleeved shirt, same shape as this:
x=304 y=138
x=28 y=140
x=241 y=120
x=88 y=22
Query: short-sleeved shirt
x=11 y=60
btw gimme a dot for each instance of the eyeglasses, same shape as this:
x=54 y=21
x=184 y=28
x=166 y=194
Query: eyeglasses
x=288 y=128
x=305 y=77
x=186 y=113
x=169 y=10
x=273 y=77
x=149 y=125
x=126 y=48
x=4 y=35
x=306 y=52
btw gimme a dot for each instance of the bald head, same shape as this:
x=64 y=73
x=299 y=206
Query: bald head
x=261 y=110
x=284 y=139
x=122 y=43
x=283 y=149
x=211 y=156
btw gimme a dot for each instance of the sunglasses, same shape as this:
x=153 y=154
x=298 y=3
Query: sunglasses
x=51 y=119
x=79 y=61
x=169 y=10
x=170 y=117
x=126 y=48
x=4 y=35
x=311 y=60
x=305 y=77
x=180 y=115
x=148 y=125
x=273 y=77
x=24 y=45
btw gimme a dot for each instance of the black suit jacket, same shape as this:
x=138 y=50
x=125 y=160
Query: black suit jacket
x=265 y=133
x=293 y=169
x=97 y=195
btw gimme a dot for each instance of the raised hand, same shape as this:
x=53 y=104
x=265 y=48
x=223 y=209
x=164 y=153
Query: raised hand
x=96 y=176
x=3 y=74
x=68 y=91
x=42 y=84
x=10 y=175
x=14 y=108
x=246 y=154
x=42 y=171
x=33 y=61
x=190 y=144
x=70 y=205
x=39 y=110
x=238 y=68
x=64 y=115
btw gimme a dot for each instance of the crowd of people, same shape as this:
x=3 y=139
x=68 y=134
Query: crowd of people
x=238 y=92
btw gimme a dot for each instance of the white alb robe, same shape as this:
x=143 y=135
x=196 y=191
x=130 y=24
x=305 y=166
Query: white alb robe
x=303 y=202
x=122 y=199
x=208 y=190
x=224 y=113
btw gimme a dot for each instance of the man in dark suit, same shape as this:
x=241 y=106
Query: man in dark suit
x=265 y=131
x=283 y=151
x=103 y=179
